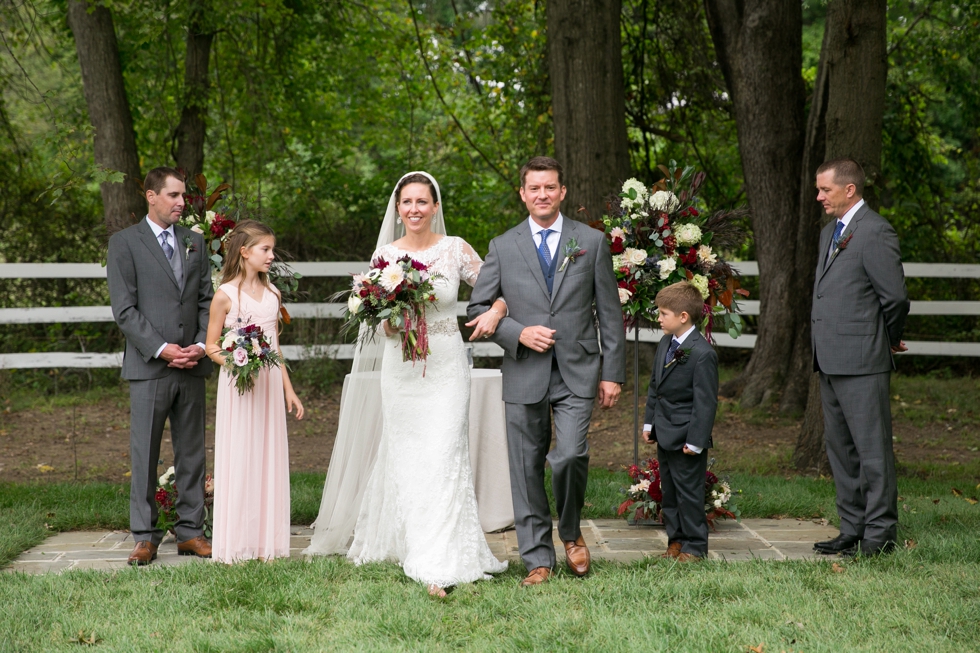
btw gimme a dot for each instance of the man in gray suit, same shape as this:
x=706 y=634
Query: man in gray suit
x=553 y=272
x=160 y=290
x=859 y=308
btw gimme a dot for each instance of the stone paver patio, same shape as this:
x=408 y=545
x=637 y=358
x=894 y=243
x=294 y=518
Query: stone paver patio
x=608 y=539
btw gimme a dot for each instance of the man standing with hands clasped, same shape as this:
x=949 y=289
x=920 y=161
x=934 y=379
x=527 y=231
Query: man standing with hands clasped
x=160 y=290
x=552 y=272
x=859 y=308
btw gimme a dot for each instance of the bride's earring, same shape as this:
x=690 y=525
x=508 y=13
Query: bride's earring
x=398 y=220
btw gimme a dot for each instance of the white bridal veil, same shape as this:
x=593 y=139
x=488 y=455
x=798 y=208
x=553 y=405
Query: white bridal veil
x=356 y=445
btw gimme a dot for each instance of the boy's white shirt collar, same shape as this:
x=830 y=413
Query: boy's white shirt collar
x=681 y=338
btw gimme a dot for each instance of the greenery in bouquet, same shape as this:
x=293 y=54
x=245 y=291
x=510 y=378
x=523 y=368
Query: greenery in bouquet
x=659 y=236
x=166 y=498
x=246 y=351
x=644 y=498
x=397 y=292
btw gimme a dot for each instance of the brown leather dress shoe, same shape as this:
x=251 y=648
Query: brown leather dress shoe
x=199 y=546
x=688 y=557
x=578 y=557
x=143 y=554
x=673 y=550
x=537 y=576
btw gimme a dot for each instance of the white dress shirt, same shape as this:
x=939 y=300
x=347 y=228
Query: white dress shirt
x=553 y=238
x=157 y=230
x=846 y=219
x=680 y=341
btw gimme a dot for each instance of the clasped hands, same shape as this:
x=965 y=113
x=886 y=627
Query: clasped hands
x=649 y=440
x=183 y=358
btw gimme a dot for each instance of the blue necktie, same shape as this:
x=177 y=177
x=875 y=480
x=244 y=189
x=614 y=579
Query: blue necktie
x=168 y=250
x=543 y=247
x=674 y=344
x=833 y=241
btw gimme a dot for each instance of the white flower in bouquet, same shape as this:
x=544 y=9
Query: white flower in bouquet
x=354 y=303
x=241 y=357
x=209 y=216
x=197 y=229
x=706 y=256
x=256 y=348
x=700 y=282
x=617 y=232
x=619 y=260
x=717 y=503
x=168 y=476
x=664 y=200
x=667 y=266
x=391 y=277
x=642 y=486
x=635 y=257
x=228 y=341
x=687 y=234
x=624 y=295
x=358 y=281
x=641 y=194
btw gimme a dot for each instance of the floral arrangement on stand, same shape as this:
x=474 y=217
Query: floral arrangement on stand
x=397 y=292
x=166 y=498
x=199 y=216
x=659 y=236
x=246 y=351
x=644 y=498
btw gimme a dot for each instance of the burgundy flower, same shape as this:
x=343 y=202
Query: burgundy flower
x=379 y=263
x=617 y=246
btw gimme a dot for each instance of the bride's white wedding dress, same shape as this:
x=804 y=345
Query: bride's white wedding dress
x=419 y=508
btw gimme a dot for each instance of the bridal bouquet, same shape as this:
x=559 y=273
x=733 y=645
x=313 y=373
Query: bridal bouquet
x=166 y=498
x=246 y=352
x=397 y=292
x=644 y=497
x=659 y=236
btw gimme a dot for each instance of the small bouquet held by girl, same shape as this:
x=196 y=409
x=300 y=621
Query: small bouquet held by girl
x=396 y=292
x=246 y=351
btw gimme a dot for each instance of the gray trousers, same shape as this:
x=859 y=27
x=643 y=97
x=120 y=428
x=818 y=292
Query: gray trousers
x=858 y=433
x=682 y=483
x=528 y=441
x=180 y=397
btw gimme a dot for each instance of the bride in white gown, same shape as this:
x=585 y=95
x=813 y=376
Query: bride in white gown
x=417 y=506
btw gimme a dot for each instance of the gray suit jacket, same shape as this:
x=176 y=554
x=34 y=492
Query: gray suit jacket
x=147 y=302
x=859 y=298
x=512 y=271
x=682 y=398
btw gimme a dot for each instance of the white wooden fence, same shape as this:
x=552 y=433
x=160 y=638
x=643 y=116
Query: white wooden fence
x=68 y=314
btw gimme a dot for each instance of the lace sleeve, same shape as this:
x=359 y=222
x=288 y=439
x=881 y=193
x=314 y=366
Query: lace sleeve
x=469 y=263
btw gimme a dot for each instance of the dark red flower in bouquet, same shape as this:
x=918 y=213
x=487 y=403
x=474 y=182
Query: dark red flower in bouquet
x=421 y=267
x=221 y=225
x=709 y=481
x=379 y=263
x=364 y=292
x=633 y=471
x=691 y=257
x=670 y=244
x=693 y=211
x=617 y=246
x=654 y=490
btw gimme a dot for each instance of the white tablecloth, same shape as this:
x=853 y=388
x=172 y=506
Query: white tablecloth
x=488 y=446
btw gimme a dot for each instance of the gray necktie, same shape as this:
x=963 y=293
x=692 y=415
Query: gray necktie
x=168 y=249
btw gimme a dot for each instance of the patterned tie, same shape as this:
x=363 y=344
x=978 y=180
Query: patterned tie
x=168 y=250
x=833 y=241
x=674 y=344
x=543 y=247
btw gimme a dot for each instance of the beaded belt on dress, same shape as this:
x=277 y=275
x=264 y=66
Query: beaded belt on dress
x=445 y=327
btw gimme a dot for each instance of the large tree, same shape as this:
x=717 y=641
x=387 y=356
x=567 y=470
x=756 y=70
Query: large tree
x=108 y=109
x=588 y=100
x=192 y=129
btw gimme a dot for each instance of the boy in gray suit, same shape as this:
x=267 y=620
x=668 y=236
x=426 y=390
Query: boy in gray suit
x=680 y=414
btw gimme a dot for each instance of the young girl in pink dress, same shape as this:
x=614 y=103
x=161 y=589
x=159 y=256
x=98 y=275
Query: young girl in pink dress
x=251 y=454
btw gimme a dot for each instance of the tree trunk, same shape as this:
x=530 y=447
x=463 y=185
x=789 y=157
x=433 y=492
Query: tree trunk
x=855 y=53
x=759 y=45
x=108 y=109
x=192 y=129
x=588 y=100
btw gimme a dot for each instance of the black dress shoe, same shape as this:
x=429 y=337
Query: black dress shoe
x=839 y=544
x=870 y=549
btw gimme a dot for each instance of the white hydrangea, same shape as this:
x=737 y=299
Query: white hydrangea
x=635 y=257
x=624 y=295
x=664 y=200
x=687 y=234
x=641 y=194
x=209 y=217
x=701 y=283
x=618 y=261
x=667 y=266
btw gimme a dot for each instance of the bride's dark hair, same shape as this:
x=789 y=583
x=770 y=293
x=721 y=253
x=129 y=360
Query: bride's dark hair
x=415 y=179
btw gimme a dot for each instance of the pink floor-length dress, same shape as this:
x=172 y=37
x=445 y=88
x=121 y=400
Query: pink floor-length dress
x=251 y=452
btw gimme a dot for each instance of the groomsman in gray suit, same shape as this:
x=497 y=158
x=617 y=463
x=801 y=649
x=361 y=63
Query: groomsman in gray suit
x=557 y=279
x=160 y=290
x=859 y=308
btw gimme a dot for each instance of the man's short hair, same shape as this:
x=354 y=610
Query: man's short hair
x=543 y=163
x=682 y=297
x=156 y=179
x=846 y=171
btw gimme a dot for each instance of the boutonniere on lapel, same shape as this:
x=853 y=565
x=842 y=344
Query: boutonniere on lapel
x=572 y=252
x=841 y=244
x=680 y=357
x=188 y=247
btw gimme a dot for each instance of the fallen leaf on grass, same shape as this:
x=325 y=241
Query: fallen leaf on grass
x=127 y=474
x=82 y=638
x=910 y=544
x=756 y=649
x=971 y=500
x=836 y=568
x=957 y=493
x=936 y=501
x=44 y=469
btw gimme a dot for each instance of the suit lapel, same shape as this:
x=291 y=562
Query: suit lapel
x=182 y=251
x=567 y=233
x=851 y=228
x=156 y=251
x=661 y=357
x=525 y=243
